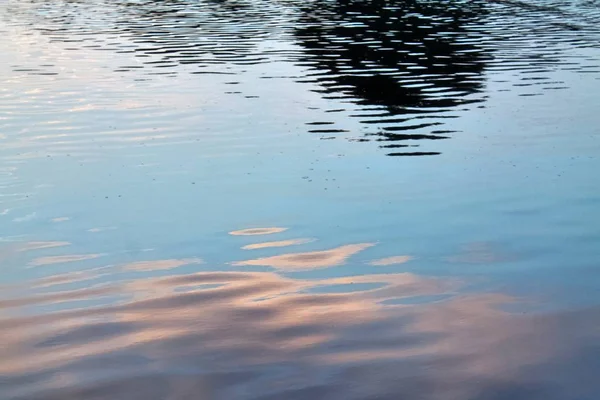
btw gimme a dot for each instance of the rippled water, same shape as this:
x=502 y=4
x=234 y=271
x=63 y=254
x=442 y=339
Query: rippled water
x=195 y=199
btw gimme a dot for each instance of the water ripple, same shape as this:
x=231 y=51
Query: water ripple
x=123 y=276
x=419 y=63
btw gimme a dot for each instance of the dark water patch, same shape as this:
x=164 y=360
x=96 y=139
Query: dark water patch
x=426 y=57
x=386 y=54
x=411 y=154
x=328 y=131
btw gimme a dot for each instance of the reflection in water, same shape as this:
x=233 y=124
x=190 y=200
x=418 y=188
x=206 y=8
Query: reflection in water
x=257 y=231
x=391 y=260
x=101 y=320
x=309 y=260
x=279 y=243
x=71 y=277
x=404 y=69
x=62 y=259
x=264 y=335
x=259 y=335
x=41 y=245
x=409 y=64
x=160 y=265
x=101 y=229
x=406 y=62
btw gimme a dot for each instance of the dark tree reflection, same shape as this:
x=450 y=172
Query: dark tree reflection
x=405 y=66
x=404 y=63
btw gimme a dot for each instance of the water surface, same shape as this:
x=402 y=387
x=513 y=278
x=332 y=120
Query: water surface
x=297 y=200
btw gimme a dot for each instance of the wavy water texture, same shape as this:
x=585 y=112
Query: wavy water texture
x=256 y=336
x=195 y=200
x=403 y=69
x=262 y=335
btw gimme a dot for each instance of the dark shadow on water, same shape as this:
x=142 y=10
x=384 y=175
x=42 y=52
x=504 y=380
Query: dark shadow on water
x=406 y=64
x=404 y=69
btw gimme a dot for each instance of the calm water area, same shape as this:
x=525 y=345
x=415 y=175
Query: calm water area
x=285 y=199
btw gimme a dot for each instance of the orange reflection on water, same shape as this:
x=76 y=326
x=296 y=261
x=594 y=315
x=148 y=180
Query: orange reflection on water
x=41 y=245
x=62 y=259
x=70 y=277
x=309 y=260
x=161 y=264
x=262 y=313
x=147 y=330
x=247 y=321
x=102 y=229
x=391 y=260
x=257 y=231
x=280 y=243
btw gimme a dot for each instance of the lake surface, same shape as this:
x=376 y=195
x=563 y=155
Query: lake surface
x=290 y=199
